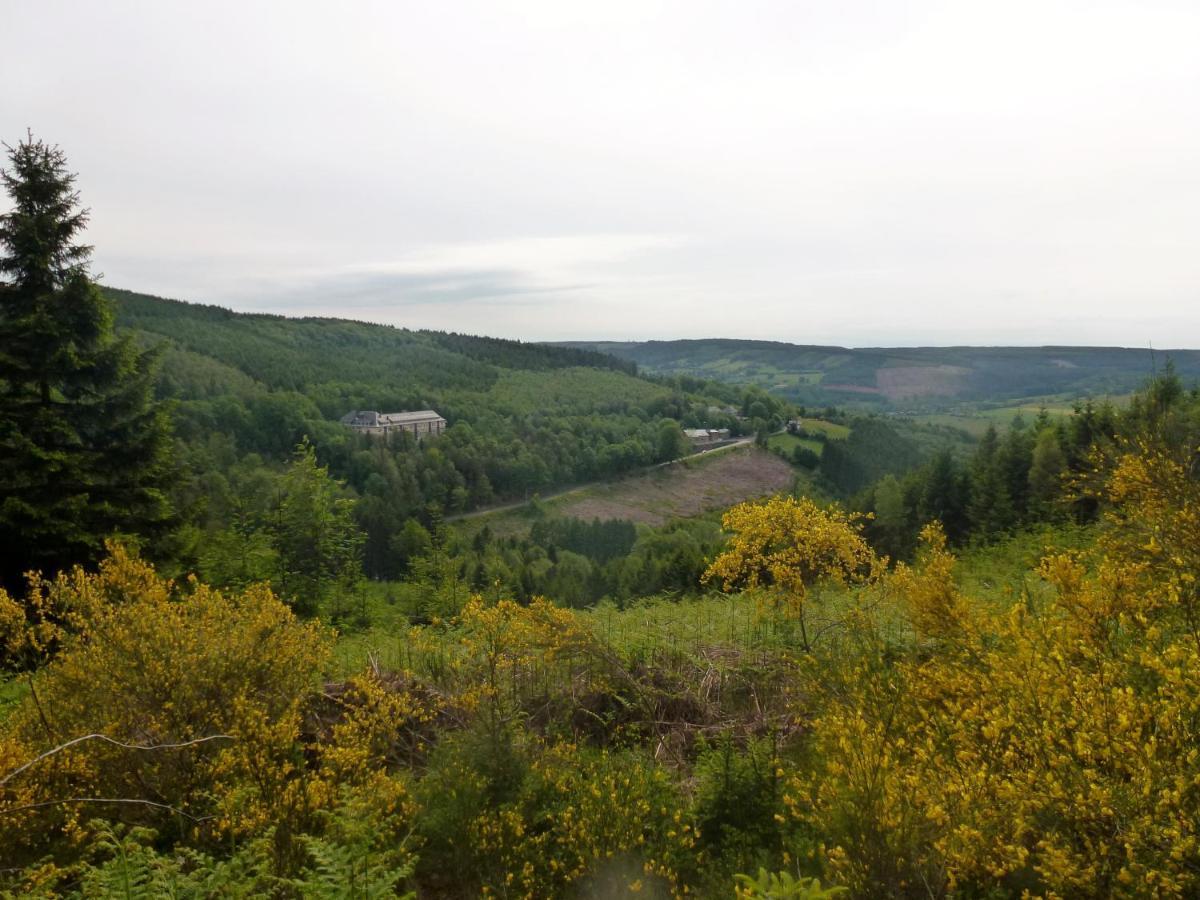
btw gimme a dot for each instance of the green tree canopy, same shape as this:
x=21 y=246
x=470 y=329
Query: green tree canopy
x=85 y=448
x=318 y=544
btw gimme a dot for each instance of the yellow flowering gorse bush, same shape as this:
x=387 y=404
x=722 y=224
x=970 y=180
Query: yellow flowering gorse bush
x=1051 y=751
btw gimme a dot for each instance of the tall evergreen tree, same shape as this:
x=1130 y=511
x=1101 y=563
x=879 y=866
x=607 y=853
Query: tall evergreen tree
x=990 y=508
x=944 y=496
x=319 y=546
x=1046 y=468
x=84 y=447
x=1014 y=459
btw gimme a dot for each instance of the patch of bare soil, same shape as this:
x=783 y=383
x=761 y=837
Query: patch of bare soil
x=682 y=489
x=920 y=381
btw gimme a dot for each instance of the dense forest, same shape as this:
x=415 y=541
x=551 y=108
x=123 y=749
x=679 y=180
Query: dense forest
x=247 y=652
x=1009 y=482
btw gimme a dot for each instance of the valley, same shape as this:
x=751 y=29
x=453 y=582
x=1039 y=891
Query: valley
x=911 y=380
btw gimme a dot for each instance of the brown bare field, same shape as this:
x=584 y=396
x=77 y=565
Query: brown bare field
x=685 y=488
x=921 y=381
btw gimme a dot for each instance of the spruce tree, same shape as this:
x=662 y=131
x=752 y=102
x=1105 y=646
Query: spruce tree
x=991 y=508
x=319 y=546
x=944 y=497
x=1046 y=468
x=84 y=447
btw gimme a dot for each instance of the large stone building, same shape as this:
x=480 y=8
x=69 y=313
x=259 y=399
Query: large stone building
x=703 y=437
x=420 y=423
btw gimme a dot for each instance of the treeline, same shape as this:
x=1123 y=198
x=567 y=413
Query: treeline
x=575 y=562
x=600 y=541
x=1027 y=475
x=521 y=355
x=580 y=563
x=871 y=450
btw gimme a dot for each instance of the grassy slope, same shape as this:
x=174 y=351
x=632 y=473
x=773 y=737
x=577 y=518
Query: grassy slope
x=788 y=442
x=685 y=488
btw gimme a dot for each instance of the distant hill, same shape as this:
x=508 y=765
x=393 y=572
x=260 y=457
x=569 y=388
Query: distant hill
x=903 y=377
x=294 y=353
x=338 y=365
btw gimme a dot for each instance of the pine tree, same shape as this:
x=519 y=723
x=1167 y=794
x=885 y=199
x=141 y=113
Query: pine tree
x=84 y=447
x=1046 y=474
x=891 y=525
x=319 y=546
x=990 y=508
x=1014 y=459
x=944 y=497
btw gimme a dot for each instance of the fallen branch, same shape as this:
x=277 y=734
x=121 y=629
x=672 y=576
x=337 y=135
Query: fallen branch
x=103 y=737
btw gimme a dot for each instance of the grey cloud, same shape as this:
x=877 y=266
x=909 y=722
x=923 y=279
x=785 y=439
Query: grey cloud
x=388 y=290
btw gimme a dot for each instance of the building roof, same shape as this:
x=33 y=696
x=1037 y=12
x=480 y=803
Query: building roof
x=369 y=418
x=697 y=434
x=408 y=418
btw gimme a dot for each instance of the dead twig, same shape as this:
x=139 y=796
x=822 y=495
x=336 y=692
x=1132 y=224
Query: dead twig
x=105 y=738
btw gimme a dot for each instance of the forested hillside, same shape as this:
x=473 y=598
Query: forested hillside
x=904 y=377
x=301 y=353
x=523 y=418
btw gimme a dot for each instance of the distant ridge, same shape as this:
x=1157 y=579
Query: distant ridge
x=902 y=377
x=292 y=353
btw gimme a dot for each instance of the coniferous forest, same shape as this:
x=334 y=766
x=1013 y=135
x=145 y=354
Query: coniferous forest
x=247 y=651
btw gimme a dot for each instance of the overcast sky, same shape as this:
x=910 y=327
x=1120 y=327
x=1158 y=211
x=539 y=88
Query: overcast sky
x=848 y=172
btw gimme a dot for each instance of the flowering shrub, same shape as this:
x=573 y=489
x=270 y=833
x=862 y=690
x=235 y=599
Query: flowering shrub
x=183 y=709
x=1051 y=751
x=176 y=740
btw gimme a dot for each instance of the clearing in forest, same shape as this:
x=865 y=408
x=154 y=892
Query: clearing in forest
x=684 y=488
